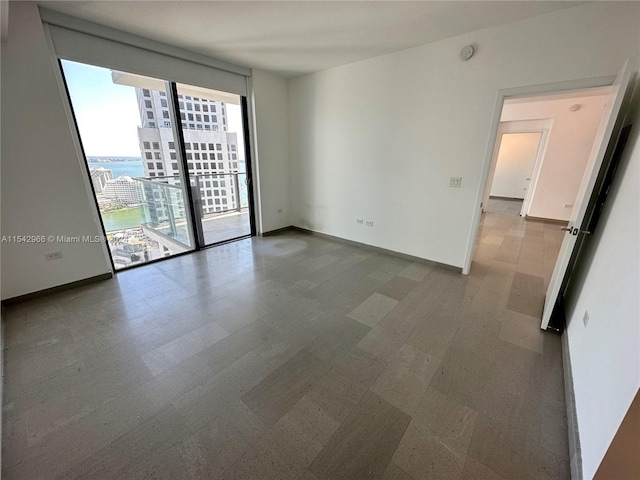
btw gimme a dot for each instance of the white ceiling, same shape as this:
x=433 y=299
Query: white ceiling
x=296 y=37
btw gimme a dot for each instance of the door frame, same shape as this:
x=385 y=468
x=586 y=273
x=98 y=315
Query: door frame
x=501 y=95
x=542 y=126
x=248 y=154
x=248 y=141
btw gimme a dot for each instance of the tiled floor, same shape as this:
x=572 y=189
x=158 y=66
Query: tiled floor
x=294 y=357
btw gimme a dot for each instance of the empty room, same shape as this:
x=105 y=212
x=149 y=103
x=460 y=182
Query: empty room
x=318 y=240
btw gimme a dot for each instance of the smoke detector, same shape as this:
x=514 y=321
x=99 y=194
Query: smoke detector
x=575 y=107
x=467 y=52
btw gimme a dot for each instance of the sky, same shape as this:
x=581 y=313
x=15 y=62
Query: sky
x=107 y=114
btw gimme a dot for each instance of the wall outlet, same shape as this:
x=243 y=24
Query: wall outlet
x=455 y=182
x=585 y=317
x=369 y=223
x=279 y=210
x=568 y=205
x=359 y=221
x=53 y=256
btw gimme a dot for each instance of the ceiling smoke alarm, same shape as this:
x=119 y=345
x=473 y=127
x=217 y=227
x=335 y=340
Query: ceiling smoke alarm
x=467 y=52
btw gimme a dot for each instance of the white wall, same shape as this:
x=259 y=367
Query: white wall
x=379 y=139
x=514 y=164
x=605 y=355
x=271 y=110
x=43 y=191
x=568 y=148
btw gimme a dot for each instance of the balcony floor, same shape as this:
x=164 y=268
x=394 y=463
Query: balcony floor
x=220 y=227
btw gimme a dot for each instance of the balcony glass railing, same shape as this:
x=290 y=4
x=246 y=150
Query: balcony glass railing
x=163 y=208
x=217 y=192
x=220 y=192
x=223 y=206
x=221 y=202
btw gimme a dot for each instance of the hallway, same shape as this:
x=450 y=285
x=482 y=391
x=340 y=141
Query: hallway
x=525 y=250
x=294 y=357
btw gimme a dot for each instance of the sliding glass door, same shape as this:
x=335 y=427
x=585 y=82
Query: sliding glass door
x=166 y=162
x=216 y=162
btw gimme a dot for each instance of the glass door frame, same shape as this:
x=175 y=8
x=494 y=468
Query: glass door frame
x=248 y=162
x=194 y=225
x=195 y=233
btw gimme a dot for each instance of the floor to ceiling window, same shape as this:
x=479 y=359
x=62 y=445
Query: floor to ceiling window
x=163 y=185
x=216 y=161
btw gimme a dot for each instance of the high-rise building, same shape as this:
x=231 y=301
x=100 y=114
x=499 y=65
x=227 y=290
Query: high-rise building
x=211 y=150
x=122 y=188
x=99 y=177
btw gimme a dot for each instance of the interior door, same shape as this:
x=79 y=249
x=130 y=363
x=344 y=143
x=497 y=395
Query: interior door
x=529 y=185
x=514 y=167
x=516 y=159
x=541 y=127
x=605 y=131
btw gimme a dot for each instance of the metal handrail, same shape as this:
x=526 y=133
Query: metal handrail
x=199 y=175
x=150 y=181
x=235 y=176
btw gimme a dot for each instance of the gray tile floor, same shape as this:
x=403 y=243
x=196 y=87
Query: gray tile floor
x=294 y=357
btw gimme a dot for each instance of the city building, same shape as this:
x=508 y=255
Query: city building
x=122 y=188
x=211 y=151
x=99 y=178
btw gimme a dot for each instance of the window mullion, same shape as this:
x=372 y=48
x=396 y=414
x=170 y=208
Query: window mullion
x=195 y=226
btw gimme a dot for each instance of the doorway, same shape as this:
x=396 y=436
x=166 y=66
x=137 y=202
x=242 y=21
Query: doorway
x=169 y=163
x=520 y=147
x=541 y=150
x=217 y=163
x=515 y=162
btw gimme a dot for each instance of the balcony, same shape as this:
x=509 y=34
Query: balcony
x=220 y=202
x=225 y=226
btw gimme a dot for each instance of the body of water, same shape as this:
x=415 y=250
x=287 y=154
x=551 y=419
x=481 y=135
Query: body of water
x=131 y=217
x=133 y=169
x=128 y=218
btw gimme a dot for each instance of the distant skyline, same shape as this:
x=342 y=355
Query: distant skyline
x=107 y=114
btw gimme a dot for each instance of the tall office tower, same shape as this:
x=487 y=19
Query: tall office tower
x=211 y=151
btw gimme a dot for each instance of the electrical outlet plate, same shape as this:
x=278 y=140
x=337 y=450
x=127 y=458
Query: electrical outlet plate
x=53 y=256
x=369 y=223
x=359 y=221
x=455 y=182
x=585 y=317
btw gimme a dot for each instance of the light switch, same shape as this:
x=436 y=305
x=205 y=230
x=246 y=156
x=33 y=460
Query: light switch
x=455 y=182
